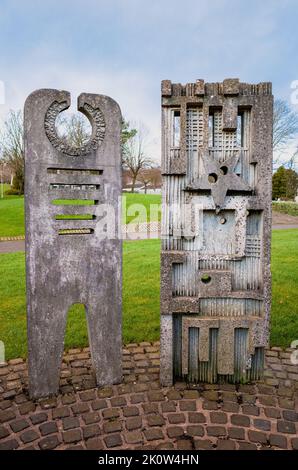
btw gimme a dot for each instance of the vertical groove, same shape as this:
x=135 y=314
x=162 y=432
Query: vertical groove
x=193 y=354
x=177 y=346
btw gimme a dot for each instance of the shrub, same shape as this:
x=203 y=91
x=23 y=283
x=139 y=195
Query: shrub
x=290 y=208
x=12 y=192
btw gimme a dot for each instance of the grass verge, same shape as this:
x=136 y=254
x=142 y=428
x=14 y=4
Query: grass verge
x=133 y=206
x=140 y=300
x=141 y=296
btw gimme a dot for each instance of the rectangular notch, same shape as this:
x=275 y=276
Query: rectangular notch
x=74 y=187
x=74 y=231
x=215 y=129
x=75 y=217
x=74 y=202
x=176 y=128
x=73 y=171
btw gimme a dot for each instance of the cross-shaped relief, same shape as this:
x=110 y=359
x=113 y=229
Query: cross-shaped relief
x=219 y=178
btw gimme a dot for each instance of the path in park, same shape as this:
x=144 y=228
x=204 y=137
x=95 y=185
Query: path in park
x=278 y=218
x=280 y=227
x=11 y=246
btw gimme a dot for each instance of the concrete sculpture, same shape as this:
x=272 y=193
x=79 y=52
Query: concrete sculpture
x=70 y=255
x=216 y=229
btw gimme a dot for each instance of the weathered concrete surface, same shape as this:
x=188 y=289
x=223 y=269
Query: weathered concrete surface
x=64 y=268
x=215 y=279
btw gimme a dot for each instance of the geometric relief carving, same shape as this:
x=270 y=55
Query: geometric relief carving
x=253 y=246
x=225 y=344
x=218 y=280
x=229 y=115
x=214 y=283
x=219 y=178
x=204 y=326
x=95 y=116
x=223 y=233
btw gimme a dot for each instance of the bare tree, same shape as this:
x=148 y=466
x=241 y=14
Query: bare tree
x=12 y=148
x=150 y=176
x=156 y=178
x=285 y=124
x=145 y=177
x=74 y=129
x=134 y=156
x=291 y=164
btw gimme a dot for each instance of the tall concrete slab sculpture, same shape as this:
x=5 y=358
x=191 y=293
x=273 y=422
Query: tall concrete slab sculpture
x=216 y=230
x=72 y=254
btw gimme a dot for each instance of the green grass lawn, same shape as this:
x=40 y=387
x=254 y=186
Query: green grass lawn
x=130 y=209
x=133 y=205
x=12 y=216
x=141 y=296
x=284 y=266
x=140 y=300
x=5 y=187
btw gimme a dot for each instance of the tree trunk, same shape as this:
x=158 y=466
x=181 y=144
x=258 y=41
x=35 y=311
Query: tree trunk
x=133 y=183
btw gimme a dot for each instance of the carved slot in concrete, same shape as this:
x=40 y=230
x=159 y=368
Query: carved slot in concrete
x=81 y=231
x=215 y=284
x=74 y=187
x=67 y=259
x=176 y=128
x=75 y=217
x=73 y=171
x=72 y=202
x=206 y=279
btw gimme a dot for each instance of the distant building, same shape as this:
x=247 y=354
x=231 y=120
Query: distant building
x=148 y=181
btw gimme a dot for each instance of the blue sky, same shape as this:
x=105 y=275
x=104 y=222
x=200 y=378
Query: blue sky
x=124 y=48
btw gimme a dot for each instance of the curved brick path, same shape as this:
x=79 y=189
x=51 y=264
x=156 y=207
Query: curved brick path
x=140 y=414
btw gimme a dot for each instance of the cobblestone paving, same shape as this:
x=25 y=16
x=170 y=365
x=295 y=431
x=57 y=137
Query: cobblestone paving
x=139 y=414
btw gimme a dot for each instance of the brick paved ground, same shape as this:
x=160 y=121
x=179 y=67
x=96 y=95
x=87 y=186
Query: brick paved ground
x=141 y=414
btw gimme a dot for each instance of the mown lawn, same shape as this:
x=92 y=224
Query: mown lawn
x=141 y=296
x=284 y=266
x=133 y=205
x=5 y=187
x=12 y=216
x=140 y=300
x=141 y=206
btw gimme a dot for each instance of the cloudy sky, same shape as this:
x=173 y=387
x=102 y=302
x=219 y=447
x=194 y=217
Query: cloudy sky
x=124 y=48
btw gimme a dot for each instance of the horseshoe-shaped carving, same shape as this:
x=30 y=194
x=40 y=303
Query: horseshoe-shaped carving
x=96 y=119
